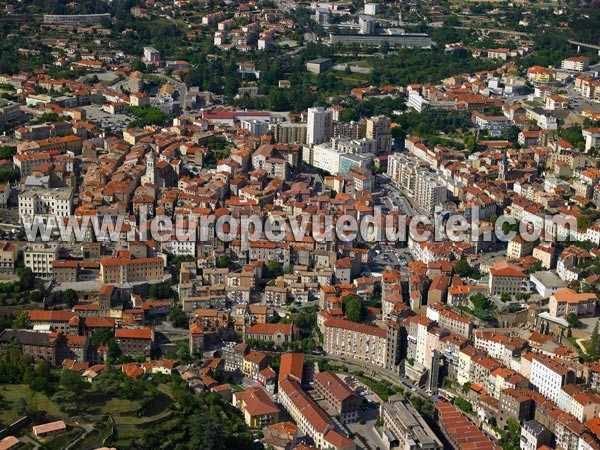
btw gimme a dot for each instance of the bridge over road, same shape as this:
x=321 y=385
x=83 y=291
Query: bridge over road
x=583 y=44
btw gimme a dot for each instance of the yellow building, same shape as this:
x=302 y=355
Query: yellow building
x=258 y=409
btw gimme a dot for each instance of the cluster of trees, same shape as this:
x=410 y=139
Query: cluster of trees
x=409 y=66
x=7 y=152
x=430 y=124
x=178 y=318
x=510 y=439
x=463 y=405
x=21 y=291
x=13 y=365
x=218 y=149
x=259 y=343
x=483 y=307
x=68 y=297
x=161 y=291
x=463 y=269
x=148 y=115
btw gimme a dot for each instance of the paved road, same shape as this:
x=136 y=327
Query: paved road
x=396 y=198
x=371 y=370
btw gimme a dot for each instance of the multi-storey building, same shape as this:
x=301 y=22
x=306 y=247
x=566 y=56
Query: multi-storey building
x=135 y=341
x=576 y=63
x=567 y=301
x=8 y=257
x=534 y=435
x=549 y=375
x=233 y=356
x=355 y=340
x=39 y=345
x=257 y=408
x=403 y=171
x=310 y=418
x=319 y=125
x=253 y=363
x=124 y=268
x=39 y=257
x=278 y=333
x=508 y=280
x=343 y=401
x=429 y=192
x=449 y=319
x=378 y=129
x=405 y=428
x=499 y=346
x=514 y=403
x=45 y=204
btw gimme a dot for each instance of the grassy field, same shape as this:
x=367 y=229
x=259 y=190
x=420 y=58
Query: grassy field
x=37 y=401
x=124 y=412
x=96 y=437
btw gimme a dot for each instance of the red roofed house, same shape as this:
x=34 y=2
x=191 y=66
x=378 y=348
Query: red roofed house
x=276 y=332
x=49 y=429
x=509 y=279
x=135 y=341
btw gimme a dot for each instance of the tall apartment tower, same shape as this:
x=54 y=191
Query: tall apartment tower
x=366 y=24
x=319 y=125
x=379 y=129
x=429 y=192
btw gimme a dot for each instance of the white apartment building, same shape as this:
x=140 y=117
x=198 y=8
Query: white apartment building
x=534 y=435
x=429 y=192
x=151 y=55
x=366 y=24
x=576 y=63
x=326 y=158
x=548 y=376
x=39 y=257
x=402 y=170
x=56 y=203
x=319 y=125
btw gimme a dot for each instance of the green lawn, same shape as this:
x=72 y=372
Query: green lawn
x=122 y=410
x=35 y=401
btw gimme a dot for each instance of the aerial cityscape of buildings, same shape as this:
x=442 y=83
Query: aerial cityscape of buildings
x=285 y=225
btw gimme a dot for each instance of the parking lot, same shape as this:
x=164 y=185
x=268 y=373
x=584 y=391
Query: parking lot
x=115 y=122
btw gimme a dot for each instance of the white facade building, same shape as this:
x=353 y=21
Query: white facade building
x=319 y=125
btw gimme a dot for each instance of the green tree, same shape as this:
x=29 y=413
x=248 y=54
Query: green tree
x=21 y=321
x=161 y=291
x=72 y=382
x=463 y=405
x=26 y=278
x=273 y=268
x=354 y=308
x=20 y=406
x=573 y=319
x=462 y=268
x=224 y=261
x=70 y=298
x=595 y=342
x=177 y=317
